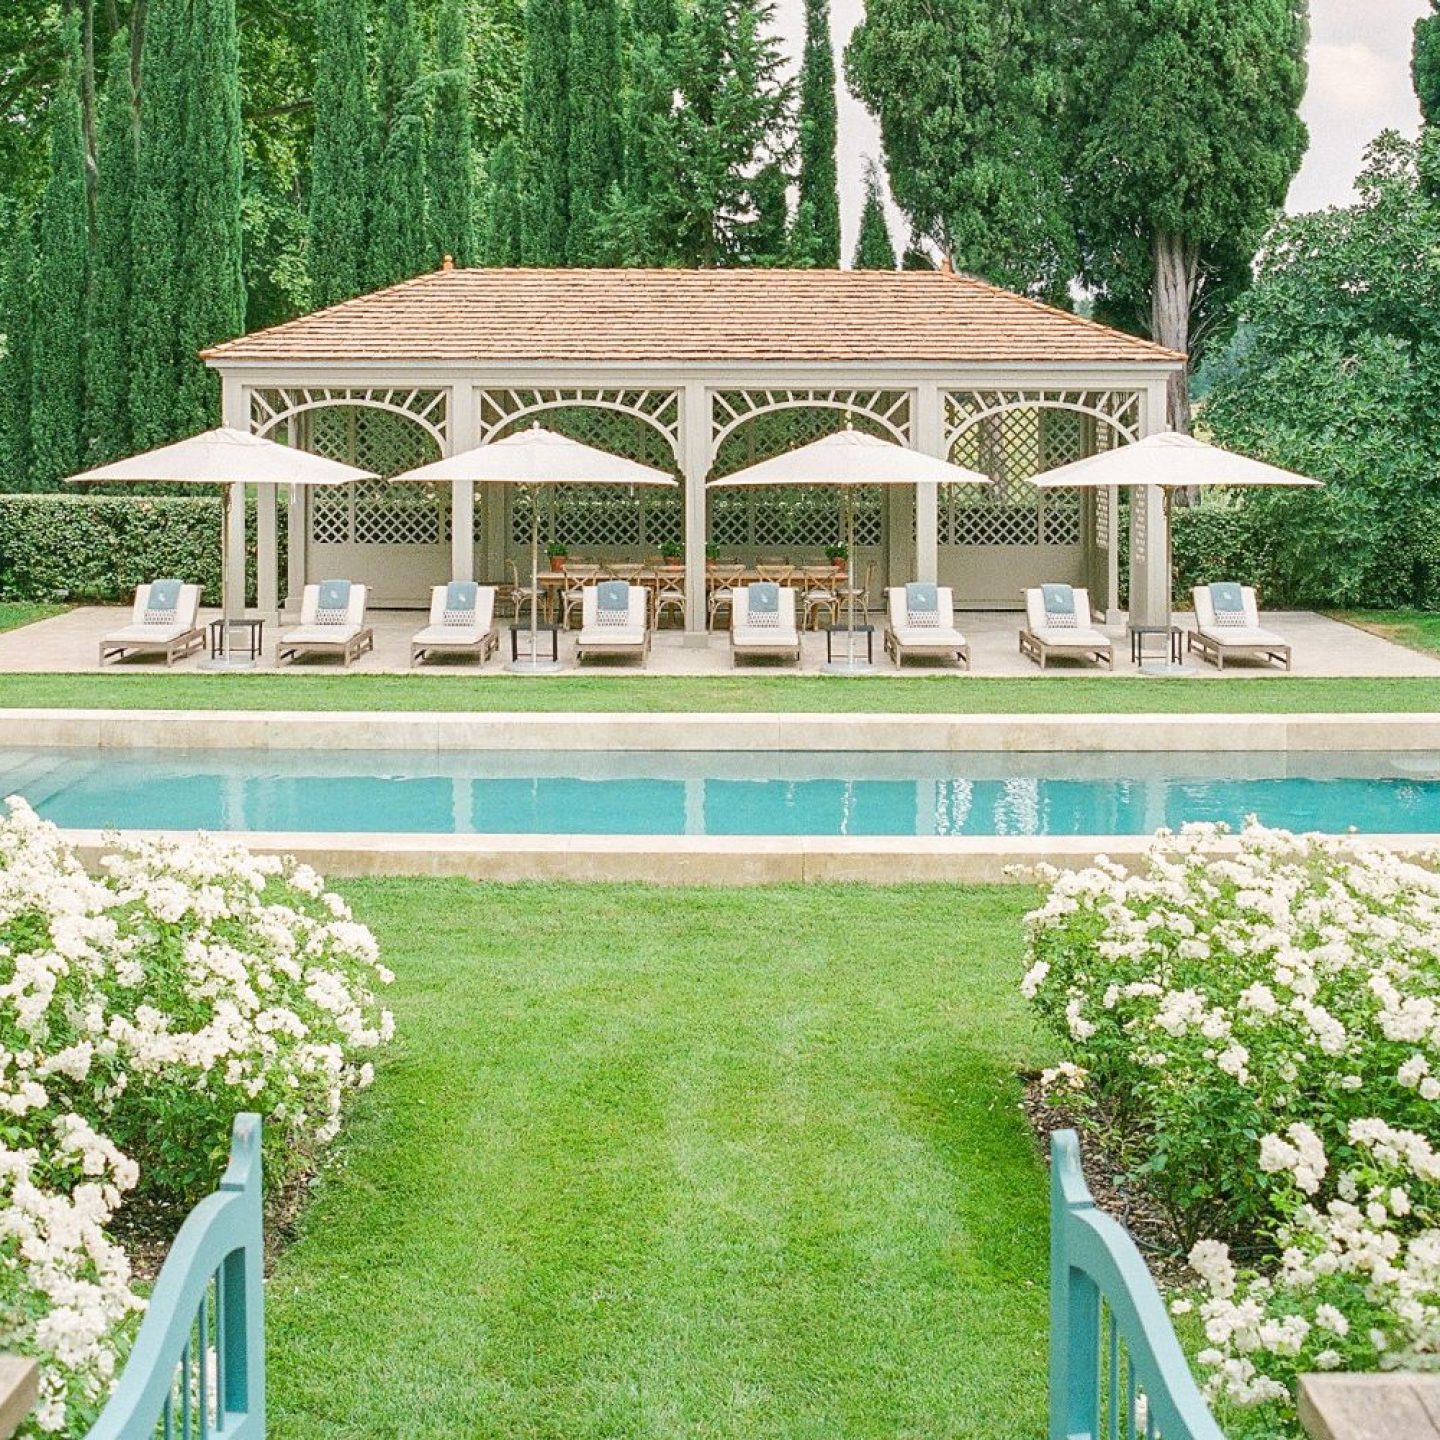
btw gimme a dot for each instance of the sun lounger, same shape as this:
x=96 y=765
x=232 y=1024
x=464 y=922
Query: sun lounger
x=332 y=622
x=1058 y=623
x=762 y=622
x=921 y=623
x=1227 y=626
x=162 y=622
x=614 y=620
x=462 y=622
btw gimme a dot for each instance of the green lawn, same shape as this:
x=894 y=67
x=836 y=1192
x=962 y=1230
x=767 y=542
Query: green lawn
x=15 y=613
x=1419 y=630
x=943 y=694
x=658 y=1163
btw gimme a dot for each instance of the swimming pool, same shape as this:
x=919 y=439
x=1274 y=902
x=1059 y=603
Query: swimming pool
x=721 y=794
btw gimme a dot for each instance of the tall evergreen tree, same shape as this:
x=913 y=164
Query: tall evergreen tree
x=874 y=249
x=340 y=155
x=213 y=294
x=1187 y=136
x=965 y=93
x=156 y=226
x=451 y=162
x=767 y=239
x=816 y=237
x=647 y=94
x=730 y=118
x=107 y=356
x=592 y=126
x=398 y=243
x=61 y=269
x=1425 y=63
x=15 y=322
x=500 y=228
x=544 y=133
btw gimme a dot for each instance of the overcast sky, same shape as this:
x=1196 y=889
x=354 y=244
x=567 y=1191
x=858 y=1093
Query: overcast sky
x=1359 y=85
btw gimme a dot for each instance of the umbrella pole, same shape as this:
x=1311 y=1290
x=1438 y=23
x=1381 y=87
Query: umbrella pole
x=849 y=578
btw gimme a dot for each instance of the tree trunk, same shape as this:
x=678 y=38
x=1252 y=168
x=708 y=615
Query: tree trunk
x=1177 y=268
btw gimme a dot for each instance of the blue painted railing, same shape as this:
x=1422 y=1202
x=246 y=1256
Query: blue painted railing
x=1116 y=1368
x=197 y=1371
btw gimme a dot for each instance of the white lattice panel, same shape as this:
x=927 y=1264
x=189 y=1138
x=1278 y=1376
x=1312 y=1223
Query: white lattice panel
x=798 y=517
x=748 y=426
x=641 y=424
x=280 y=411
x=596 y=517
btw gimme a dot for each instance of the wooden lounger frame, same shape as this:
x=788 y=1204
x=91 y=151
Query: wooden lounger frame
x=357 y=645
x=1038 y=650
x=180 y=647
x=1214 y=651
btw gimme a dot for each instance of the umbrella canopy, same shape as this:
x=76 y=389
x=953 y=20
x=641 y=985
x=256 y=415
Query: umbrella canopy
x=538 y=457
x=1171 y=461
x=226 y=457
x=851 y=457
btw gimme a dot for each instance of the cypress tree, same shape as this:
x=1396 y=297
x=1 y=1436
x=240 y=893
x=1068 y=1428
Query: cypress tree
x=16 y=320
x=452 y=158
x=500 y=228
x=767 y=239
x=816 y=237
x=593 y=148
x=58 y=361
x=398 y=246
x=544 y=127
x=107 y=359
x=873 y=248
x=155 y=227
x=213 y=284
x=340 y=154
x=646 y=97
x=1425 y=63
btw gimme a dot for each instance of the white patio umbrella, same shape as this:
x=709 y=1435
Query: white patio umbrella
x=229 y=458
x=535 y=458
x=850 y=459
x=1169 y=461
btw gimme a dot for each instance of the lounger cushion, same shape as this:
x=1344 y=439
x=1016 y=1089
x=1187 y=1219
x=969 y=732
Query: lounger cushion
x=929 y=637
x=437 y=636
x=1071 y=639
x=147 y=634
x=320 y=634
x=1242 y=637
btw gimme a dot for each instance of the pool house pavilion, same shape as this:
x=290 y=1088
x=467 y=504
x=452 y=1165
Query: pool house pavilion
x=700 y=373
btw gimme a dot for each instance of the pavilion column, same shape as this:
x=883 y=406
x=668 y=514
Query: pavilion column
x=1149 y=531
x=929 y=438
x=461 y=436
x=267 y=550
x=695 y=466
x=234 y=412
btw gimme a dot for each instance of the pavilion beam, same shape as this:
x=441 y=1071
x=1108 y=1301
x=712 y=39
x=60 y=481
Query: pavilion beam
x=694 y=430
x=929 y=438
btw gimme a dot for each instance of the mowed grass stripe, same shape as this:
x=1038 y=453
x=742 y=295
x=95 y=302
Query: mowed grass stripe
x=654 y=1163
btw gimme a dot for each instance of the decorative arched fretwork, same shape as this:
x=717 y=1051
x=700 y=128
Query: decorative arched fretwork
x=427 y=407
x=1014 y=435
x=810 y=415
x=502 y=411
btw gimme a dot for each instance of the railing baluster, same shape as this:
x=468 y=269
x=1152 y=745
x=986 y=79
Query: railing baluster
x=219 y=1349
x=168 y=1417
x=1132 y=1422
x=205 y=1364
x=185 y=1357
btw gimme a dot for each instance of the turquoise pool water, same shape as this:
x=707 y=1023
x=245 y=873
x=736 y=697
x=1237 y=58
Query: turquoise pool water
x=600 y=793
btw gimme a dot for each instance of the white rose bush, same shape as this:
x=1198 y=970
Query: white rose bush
x=1256 y=1026
x=141 y=1008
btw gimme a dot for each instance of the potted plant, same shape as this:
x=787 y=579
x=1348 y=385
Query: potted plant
x=555 y=552
x=671 y=551
x=838 y=555
x=712 y=553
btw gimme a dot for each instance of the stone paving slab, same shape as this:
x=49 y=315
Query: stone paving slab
x=1322 y=647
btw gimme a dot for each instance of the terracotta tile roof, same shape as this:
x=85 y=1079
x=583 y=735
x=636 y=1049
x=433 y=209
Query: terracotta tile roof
x=692 y=316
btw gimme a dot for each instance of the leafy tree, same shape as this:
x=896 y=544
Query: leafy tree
x=61 y=269
x=156 y=226
x=16 y=321
x=451 y=160
x=1338 y=376
x=340 y=162
x=966 y=93
x=213 y=294
x=1425 y=63
x=398 y=245
x=873 y=248
x=916 y=256
x=544 y=133
x=500 y=228
x=767 y=241
x=1186 y=139
x=816 y=238
x=107 y=357
x=592 y=136
x=729 y=118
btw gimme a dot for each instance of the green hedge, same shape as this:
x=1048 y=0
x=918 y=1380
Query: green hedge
x=100 y=547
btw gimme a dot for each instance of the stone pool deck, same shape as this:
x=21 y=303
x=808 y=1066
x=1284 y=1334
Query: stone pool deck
x=1322 y=647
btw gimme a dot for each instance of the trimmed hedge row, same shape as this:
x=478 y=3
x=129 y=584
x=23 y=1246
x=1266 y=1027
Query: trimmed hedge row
x=100 y=547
